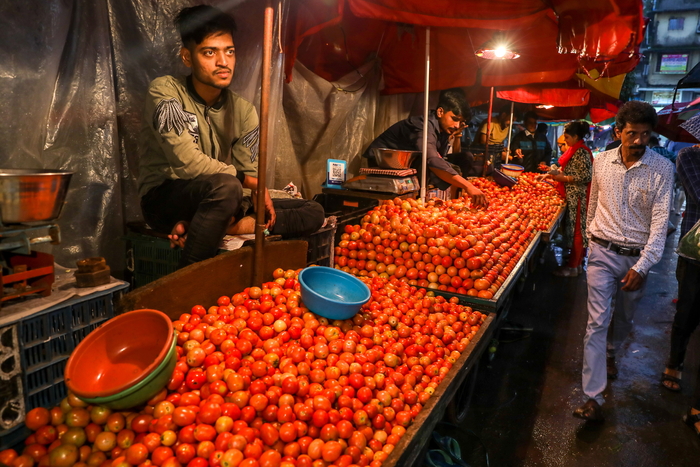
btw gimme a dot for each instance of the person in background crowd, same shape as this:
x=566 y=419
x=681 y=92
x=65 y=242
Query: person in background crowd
x=628 y=210
x=561 y=144
x=655 y=146
x=463 y=158
x=499 y=128
x=531 y=147
x=615 y=138
x=199 y=144
x=687 y=315
x=446 y=120
x=574 y=177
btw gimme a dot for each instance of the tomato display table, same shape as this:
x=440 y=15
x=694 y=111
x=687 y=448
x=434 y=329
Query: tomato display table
x=499 y=302
x=412 y=447
x=549 y=233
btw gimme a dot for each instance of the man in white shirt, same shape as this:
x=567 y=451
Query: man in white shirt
x=631 y=193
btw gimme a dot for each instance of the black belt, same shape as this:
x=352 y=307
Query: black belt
x=619 y=249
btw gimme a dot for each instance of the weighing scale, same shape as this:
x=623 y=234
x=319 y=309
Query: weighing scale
x=397 y=181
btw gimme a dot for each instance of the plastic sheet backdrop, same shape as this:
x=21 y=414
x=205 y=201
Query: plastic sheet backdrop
x=325 y=120
x=58 y=103
x=73 y=78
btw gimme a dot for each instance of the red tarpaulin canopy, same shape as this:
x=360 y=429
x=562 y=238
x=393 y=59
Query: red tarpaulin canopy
x=554 y=42
x=671 y=116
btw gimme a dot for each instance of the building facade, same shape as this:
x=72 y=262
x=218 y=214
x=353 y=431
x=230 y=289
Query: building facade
x=671 y=49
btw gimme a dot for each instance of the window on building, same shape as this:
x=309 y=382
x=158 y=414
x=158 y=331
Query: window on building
x=675 y=24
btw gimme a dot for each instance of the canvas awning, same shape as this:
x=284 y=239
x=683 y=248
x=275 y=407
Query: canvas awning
x=555 y=43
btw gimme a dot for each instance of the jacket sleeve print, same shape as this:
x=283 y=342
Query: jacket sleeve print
x=170 y=116
x=252 y=142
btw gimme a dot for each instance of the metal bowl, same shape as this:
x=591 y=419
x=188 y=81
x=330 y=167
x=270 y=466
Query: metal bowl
x=394 y=158
x=32 y=195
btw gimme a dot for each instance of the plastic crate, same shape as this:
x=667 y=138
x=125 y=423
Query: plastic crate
x=150 y=258
x=343 y=206
x=321 y=245
x=348 y=210
x=44 y=343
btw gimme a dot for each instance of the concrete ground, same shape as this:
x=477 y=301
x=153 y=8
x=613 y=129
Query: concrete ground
x=521 y=410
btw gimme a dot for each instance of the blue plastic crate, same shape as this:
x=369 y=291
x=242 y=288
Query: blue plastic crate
x=46 y=377
x=39 y=328
x=47 y=352
x=92 y=311
x=47 y=397
x=46 y=341
x=79 y=334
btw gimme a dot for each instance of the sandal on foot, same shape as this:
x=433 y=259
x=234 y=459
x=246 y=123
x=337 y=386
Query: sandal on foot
x=450 y=445
x=591 y=411
x=692 y=420
x=671 y=379
x=438 y=458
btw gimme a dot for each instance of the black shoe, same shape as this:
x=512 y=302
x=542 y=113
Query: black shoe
x=611 y=368
x=591 y=411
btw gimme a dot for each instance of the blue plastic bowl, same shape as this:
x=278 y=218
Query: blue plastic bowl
x=332 y=293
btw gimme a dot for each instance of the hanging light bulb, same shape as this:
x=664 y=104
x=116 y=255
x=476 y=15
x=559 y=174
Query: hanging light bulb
x=497 y=49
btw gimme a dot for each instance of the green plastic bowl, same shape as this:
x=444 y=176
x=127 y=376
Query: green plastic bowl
x=144 y=390
x=125 y=361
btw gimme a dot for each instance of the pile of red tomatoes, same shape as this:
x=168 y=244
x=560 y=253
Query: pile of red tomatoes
x=262 y=382
x=447 y=245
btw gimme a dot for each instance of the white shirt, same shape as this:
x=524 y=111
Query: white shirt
x=630 y=207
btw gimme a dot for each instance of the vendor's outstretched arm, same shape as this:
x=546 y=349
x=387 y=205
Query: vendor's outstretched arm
x=477 y=196
x=252 y=183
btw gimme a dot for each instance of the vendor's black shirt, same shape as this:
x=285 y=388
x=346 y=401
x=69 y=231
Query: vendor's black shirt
x=613 y=145
x=535 y=148
x=408 y=135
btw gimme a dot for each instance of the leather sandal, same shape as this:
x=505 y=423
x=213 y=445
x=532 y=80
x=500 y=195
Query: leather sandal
x=591 y=411
x=611 y=368
x=671 y=379
x=692 y=420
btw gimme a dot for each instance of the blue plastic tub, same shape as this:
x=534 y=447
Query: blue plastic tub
x=332 y=293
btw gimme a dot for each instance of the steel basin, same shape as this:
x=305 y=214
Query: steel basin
x=394 y=158
x=32 y=195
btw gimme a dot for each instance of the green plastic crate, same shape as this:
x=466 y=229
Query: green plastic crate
x=150 y=258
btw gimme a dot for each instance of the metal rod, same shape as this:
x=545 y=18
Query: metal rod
x=510 y=130
x=424 y=163
x=258 y=264
x=488 y=135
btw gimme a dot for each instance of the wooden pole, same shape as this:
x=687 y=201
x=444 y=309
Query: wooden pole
x=266 y=71
x=510 y=130
x=487 y=157
x=424 y=164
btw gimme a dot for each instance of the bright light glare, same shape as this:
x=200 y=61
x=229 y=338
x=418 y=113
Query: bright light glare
x=545 y=106
x=500 y=52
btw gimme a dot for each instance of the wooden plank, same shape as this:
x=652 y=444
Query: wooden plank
x=224 y=274
x=409 y=450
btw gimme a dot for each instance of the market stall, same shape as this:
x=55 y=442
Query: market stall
x=257 y=377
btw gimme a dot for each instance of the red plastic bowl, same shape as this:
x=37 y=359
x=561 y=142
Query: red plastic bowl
x=119 y=354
